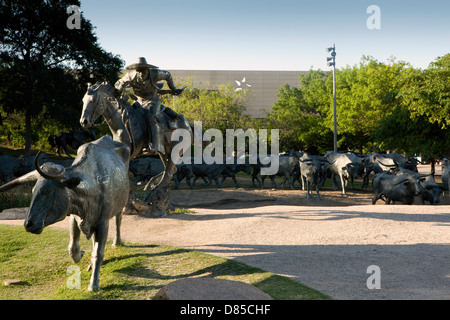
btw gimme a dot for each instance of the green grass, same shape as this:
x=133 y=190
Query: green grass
x=132 y=272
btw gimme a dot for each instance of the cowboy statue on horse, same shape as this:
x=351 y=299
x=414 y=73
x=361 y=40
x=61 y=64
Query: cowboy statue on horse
x=146 y=126
x=143 y=79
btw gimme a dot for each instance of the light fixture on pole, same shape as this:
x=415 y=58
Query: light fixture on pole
x=331 y=62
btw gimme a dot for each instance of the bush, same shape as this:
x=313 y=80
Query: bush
x=19 y=197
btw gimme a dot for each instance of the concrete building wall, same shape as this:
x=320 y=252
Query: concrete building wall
x=265 y=85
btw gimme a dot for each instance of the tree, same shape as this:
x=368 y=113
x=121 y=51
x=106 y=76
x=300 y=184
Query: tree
x=299 y=121
x=412 y=136
x=420 y=123
x=43 y=63
x=216 y=106
x=427 y=92
x=365 y=95
x=392 y=105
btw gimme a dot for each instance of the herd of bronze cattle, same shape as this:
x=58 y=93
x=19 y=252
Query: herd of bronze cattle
x=393 y=177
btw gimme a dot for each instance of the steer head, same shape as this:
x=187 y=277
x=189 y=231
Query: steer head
x=412 y=184
x=50 y=199
x=346 y=170
x=432 y=193
x=313 y=166
x=244 y=168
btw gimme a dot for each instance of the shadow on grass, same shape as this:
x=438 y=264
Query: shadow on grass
x=160 y=268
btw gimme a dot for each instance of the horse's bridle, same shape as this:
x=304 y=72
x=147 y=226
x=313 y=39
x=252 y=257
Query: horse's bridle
x=97 y=102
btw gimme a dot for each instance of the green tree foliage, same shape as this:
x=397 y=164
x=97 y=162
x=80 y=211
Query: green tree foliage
x=44 y=65
x=302 y=114
x=217 y=106
x=390 y=105
x=300 y=123
x=427 y=92
x=420 y=123
x=412 y=135
x=366 y=94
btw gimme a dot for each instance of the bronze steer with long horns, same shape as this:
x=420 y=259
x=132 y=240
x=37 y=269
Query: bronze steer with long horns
x=401 y=187
x=93 y=190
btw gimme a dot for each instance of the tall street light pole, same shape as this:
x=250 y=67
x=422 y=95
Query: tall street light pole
x=331 y=61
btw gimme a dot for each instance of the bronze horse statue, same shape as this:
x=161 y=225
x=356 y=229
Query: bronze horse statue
x=128 y=125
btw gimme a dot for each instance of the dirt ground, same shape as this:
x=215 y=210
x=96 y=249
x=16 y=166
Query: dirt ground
x=327 y=245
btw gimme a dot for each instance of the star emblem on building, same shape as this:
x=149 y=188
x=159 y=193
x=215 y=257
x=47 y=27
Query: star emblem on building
x=241 y=84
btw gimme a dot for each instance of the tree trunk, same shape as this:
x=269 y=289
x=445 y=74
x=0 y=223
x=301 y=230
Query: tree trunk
x=28 y=102
x=28 y=132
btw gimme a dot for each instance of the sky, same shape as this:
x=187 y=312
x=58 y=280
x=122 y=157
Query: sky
x=269 y=34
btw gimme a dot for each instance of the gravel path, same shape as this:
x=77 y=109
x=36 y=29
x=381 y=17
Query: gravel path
x=327 y=247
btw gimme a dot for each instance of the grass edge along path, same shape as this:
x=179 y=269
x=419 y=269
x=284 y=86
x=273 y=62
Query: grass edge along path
x=129 y=272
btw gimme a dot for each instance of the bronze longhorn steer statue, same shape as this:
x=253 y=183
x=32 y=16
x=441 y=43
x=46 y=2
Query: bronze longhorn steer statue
x=92 y=190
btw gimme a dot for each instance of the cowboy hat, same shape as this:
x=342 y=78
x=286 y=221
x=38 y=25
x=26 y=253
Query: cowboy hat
x=142 y=63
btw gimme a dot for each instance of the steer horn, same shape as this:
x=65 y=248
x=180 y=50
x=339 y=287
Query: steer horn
x=400 y=182
x=334 y=160
x=60 y=170
x=423 y=176
x=387 y=165
x=29 y=177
